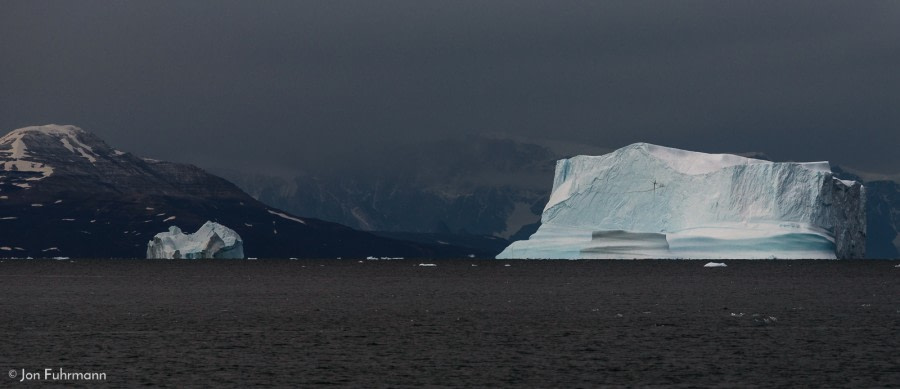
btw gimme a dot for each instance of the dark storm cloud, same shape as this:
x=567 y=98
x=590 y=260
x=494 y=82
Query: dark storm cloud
x=294 y=84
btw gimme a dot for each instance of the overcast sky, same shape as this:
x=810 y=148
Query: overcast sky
x=288 y=84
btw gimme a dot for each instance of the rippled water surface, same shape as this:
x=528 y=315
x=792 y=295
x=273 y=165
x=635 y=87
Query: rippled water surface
x=394 y=323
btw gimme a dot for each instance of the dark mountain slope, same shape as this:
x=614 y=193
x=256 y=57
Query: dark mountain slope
x=64 y=192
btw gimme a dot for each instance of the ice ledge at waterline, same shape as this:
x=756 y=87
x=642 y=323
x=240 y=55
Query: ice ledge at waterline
x=648 y=201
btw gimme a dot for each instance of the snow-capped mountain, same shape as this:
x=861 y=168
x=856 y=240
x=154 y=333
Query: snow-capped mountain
x=65 y=192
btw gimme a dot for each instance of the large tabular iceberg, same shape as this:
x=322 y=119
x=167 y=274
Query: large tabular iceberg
x=648 y=201
x=212 y=240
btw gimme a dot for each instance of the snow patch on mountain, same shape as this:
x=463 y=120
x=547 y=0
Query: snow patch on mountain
x=283 y=216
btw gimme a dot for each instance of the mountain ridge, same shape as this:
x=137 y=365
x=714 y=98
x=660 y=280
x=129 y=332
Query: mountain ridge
x=65 y=192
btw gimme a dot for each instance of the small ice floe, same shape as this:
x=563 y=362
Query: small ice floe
x=8 y=218
x=57 y=201
x=149 y=208
x=170 y=218
x=68 y=220
x=293 y=258
x=251 y=258
x=760 y=319
x=507 y=265
x=50 y=249
x=248 y=224
x=6 y=248
x=897 y=266
x=471 y=255
x=428 y=264
x=715 y=264
x=37 y=205
x=737 y=314
x=61 y=258
x=474 y=265
x=371 y=258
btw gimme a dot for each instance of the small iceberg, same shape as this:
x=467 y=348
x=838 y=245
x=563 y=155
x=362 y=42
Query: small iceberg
x=715 y=264
x=212 y=240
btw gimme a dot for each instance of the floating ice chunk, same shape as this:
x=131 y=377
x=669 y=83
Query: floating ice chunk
x=57 y=201
x=715 y=264
x=37 y=205
x=170 y=218
x=212 y=240
x=8 y=218
x=427 y=264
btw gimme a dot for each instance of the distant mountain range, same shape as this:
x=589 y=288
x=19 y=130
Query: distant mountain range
x=485 y=185
x=64 y=192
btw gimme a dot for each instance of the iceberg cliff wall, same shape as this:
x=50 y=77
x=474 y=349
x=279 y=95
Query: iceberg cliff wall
x=704 y=205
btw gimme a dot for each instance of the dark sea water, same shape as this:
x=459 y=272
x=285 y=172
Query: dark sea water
x=393 y=323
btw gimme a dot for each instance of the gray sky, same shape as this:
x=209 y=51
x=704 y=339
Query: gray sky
x=288 y=84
